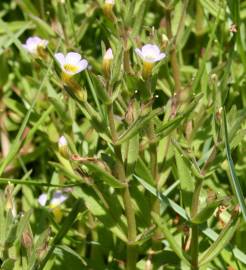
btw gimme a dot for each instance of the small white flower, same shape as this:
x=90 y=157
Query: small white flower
x=63 y=147
x=110 y=2
x=71 y=63
x=108 y=55
x=34 y=43
x=58 y=198
x=42 y=199
x=62 y=141
x=150 y=53
x=107 y=60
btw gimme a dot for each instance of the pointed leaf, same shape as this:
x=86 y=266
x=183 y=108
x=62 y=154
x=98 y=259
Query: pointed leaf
x=103 y=175
x=221 y=242
x=100 y=89
x=137 y=125
x=186 y=180
x=171 y=240
x=205 y=213
x=234 y=180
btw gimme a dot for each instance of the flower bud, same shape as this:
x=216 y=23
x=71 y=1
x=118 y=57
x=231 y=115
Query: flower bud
x=74 y=88
x=27 y=239
x=107 y=61
x=164 y=40
x=214 y=78
x=219 y=114
x=108 y=9
x=63 y=148
x=10 y=205
x=130 y=114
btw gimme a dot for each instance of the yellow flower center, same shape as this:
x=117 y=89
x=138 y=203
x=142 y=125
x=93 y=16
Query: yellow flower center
x=70 y=68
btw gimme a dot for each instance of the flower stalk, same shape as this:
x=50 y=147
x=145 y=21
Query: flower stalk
x=154 y=168
x=120 y=171
x=194 y=227
x=150 y=54
x=173 y=56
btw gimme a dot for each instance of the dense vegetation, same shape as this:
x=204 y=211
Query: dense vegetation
x=122 y=128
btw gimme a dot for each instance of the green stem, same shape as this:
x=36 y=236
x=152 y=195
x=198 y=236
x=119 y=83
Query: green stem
x=174 y=61
x=153 y=166
x=126 y=58
x=69 y=9
x=42 y=9
x=130 y=215
x=194 y=247
x=194 y=227
x=199 y=18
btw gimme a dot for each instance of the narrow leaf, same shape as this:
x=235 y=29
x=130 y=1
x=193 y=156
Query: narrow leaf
x=137 y=125
x=171 y=240
x=235 y=182
x=186 y=180
x=205 y=213
x=103 y=175
x=220 y=243
x=63 y=231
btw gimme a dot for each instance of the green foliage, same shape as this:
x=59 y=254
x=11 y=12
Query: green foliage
x=150 y=171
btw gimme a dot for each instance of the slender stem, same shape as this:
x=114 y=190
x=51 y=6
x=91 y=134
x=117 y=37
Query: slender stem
x=153 y=166
x=69 y=9
x=194 y=247
x=130 y=215
x=199 y=18
x=127 y=67
x=174 y=61
x=194 y=227
x=42 y=9
x=154 y=171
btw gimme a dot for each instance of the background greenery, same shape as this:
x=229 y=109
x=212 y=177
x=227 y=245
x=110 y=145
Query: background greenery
x=194 y=142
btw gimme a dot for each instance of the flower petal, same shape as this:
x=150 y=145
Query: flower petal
x=150 y=49
x=160 y=56
x=60 y=58
x=58 y=198
x=33 y=41
x=82 y=65
x=42 y=199
x=108 y=55
x=139 y=53
x=73 y=58
x=62 y=141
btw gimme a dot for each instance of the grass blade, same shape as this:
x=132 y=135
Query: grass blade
x=235 y=182
x=62 y=232
x=223 y=239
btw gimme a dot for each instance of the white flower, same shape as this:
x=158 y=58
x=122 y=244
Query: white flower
x=62 y=141
x=71 y=63
x=42 y=199
x=109 y=2
x=33 y=44
x=150 y=53
x=108 y=55
x=107 y=60
x=63 y=147
x=58 y=198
